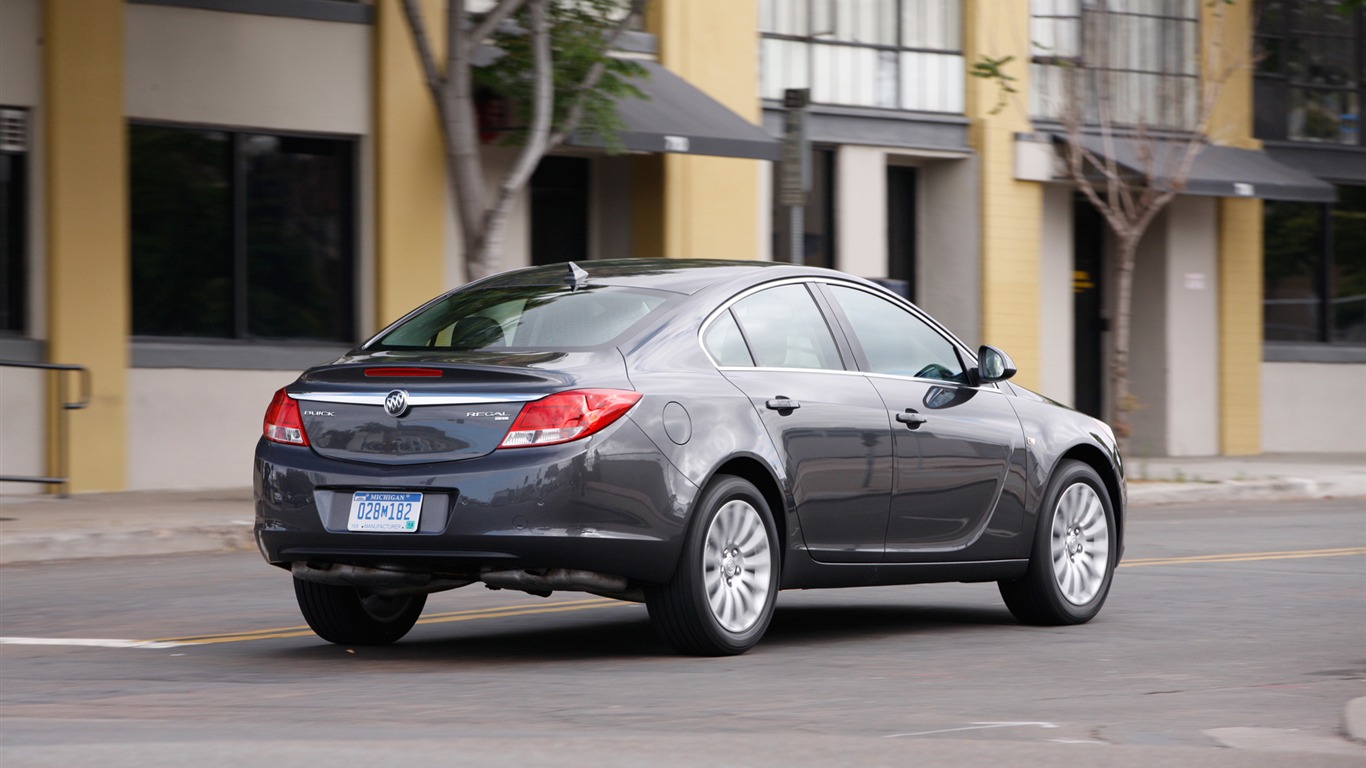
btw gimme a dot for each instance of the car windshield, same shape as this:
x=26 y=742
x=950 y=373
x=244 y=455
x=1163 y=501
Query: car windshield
x=524 y=317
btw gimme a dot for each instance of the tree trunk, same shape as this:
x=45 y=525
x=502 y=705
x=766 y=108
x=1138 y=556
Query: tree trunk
x=1122 y=401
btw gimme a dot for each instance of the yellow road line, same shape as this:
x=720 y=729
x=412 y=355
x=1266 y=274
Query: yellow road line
x=435 y=618
x=1245 y=557
x=565 y=606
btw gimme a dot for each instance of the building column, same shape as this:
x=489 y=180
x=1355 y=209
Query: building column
x=1012 y=210
x=710 y=205
x=411 y=191
x=86 y=228
x=1240 y=326
x=1240 y=241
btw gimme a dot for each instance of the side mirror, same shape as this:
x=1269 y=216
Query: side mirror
x=993 y=365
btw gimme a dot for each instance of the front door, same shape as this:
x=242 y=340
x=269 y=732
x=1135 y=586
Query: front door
x=959 y=448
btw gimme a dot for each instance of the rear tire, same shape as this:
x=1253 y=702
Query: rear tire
x=351 y=616
x=722 y=595
x=1073 y=560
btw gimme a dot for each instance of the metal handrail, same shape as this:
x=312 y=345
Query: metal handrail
x=59 y=477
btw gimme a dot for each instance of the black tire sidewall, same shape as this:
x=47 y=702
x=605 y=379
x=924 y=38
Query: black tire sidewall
x=1068 y=474
x=722 y=490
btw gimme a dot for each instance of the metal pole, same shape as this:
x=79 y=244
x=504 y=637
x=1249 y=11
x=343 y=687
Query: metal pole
x=797 y=228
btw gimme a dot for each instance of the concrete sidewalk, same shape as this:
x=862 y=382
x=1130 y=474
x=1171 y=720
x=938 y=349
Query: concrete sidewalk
x=36 y=528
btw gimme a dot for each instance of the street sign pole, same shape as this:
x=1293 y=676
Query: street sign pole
x=795 y=178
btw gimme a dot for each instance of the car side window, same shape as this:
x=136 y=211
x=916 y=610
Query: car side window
x=895 y=341
x=724 y=342
x=785 y=329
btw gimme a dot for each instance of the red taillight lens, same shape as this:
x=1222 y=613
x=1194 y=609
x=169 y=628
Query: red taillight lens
x=283 y=424
x=566 y=416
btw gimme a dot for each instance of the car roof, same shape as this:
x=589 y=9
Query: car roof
x=686 y=276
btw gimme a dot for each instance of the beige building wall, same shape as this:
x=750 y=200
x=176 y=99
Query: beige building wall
x=1174 y=365
x=713 y=45
x=1057 y=315
x=1011 y=210
x=86 y=226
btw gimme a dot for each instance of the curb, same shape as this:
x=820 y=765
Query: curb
x=1152 y=493
x=59 y=545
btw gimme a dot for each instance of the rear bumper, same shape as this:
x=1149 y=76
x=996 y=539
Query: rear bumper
x=610 y=504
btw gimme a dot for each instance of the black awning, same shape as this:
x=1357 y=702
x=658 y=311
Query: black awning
x=1217 y=171
x=675 y=116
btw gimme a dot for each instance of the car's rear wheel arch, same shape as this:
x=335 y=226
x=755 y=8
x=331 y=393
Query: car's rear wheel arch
x=756 y=474
x=1095 y=458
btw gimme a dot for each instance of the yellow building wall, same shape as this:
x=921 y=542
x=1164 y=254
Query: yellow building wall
x=710 y=205
x=86 y=227
x=1228 y=46
x=410 y=170
x=1012 y=211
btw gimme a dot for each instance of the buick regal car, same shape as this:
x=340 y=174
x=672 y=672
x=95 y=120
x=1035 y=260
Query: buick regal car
x=696 y=435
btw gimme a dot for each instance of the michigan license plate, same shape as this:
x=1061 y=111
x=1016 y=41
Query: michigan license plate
x=382 y=512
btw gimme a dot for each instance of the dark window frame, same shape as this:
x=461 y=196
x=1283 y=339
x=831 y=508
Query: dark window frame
x=1169 y=77
x=15 y=186
x=240 y=254
x=1285 y=28
x=1322 y=252
x=813 y=39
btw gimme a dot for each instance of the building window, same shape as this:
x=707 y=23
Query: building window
x=892 y=54
x=241 y=235
x=1311 y=77
x=13 y=220
x=1141 y=55
x=1315 y=285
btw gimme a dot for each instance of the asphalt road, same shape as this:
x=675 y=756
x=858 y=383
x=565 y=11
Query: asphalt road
x=1232 y=637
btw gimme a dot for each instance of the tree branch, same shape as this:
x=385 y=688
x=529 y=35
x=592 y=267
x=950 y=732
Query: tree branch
x=591 y=78
x=493 y=18
x=417 y=26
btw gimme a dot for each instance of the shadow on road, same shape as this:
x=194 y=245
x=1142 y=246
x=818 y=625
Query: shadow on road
x=625 y=633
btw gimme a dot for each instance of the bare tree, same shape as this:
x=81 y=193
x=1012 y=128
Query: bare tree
x=566 y=83
x=1128 y=198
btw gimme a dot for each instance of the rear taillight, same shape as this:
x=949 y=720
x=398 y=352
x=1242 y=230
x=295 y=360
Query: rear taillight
x=566 y=416
x=283 y=424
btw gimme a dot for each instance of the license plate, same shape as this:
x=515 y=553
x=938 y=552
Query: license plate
x=378 y=511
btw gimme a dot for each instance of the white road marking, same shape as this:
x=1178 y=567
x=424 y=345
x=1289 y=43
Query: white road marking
x=88 y=642
x=973 y=727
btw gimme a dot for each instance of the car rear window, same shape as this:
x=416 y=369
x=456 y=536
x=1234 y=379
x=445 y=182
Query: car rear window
x=524 y=317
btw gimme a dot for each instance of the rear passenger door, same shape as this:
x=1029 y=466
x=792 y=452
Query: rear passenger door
x=826 y=420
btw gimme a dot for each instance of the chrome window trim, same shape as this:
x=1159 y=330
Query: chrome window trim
x=969 y=355
x=415 y=399
x=706 y=324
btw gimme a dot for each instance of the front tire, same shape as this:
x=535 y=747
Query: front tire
x=351 y=616
x=722 y=595
x=1073 y=560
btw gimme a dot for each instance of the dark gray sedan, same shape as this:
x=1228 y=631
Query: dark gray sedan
x=693 y=434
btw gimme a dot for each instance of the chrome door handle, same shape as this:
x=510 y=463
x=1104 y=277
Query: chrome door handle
x=911 y=418
x=781 y=403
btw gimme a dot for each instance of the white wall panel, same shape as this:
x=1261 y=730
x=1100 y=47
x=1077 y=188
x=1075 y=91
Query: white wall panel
x=195 y=428
x=1057 y=321
x=236 y=69
x=23 y=444
x=1313 y=407
x=21 y=59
